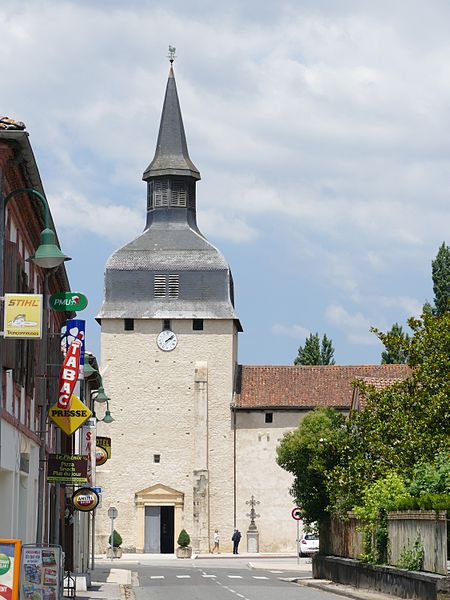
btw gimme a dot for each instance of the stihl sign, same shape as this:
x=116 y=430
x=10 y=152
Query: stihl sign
x=69 y=374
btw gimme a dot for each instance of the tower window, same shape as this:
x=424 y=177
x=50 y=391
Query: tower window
x=161 y=193
x=174 y=286
x=268 y=417
x=160 y=286
x=157 y=458
x=178 y=194
x=128 y=324
x=166 y=324
x=197 y=324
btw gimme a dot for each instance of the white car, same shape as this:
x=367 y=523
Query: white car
x=309 y=544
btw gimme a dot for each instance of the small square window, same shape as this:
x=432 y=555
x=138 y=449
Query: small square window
x=197 y=324
x=157 y=458
x=166 y=324
x=128 y=324
x=269 y=417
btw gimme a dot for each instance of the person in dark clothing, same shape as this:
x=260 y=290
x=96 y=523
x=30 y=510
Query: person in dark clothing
x=236 y=537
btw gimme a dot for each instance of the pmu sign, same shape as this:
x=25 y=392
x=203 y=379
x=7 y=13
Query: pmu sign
x=69 y=374
x=68 y=301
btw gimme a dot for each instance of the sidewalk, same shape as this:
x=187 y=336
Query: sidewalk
x=108 y=584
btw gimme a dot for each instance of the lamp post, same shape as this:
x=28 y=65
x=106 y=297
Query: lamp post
x=47 y=256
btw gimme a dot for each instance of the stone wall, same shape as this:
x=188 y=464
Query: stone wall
x=154 y=406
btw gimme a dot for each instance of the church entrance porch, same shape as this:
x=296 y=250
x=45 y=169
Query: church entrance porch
x=159 y=530
x=159 y=517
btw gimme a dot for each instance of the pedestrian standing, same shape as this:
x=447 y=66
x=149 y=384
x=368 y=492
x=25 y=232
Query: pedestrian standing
x=216 y=540
x=236 y=538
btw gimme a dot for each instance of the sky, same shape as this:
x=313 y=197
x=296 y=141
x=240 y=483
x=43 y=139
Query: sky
x=320 y=129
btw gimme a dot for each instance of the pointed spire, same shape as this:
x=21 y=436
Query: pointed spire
x=171 y=156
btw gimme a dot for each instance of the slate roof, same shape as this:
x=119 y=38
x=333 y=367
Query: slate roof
x=302 y=387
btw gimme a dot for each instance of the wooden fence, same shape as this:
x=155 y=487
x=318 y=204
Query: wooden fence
x=344 y=537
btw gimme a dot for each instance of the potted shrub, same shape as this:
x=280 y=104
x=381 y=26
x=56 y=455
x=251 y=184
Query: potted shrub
x=184 y=550
x=115 y=541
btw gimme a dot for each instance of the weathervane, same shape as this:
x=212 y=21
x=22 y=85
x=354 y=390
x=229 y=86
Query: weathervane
x=171 y=56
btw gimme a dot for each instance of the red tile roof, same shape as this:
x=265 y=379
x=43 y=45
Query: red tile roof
x=308 y=386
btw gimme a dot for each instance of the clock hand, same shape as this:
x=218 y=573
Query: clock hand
x=170 y=338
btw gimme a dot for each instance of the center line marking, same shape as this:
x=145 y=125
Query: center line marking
x=205 y=575
x=183 y=576
x=235 y=576
x=259 y=577
x=156 y=576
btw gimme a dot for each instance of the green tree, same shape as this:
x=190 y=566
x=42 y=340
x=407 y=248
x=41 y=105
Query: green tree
x=441 y=280
x=309 y=452
x=396 y=342
x=400 y=425
x=315 y=352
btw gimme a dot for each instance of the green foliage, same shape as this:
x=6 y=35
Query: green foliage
x=431 y=477
x=309 y=453
x=315 y=352
x=411 y=558
x=396 y=342
x=117 y=539
x=380 y=495
x=377 y=499
x=399 y=425
x=441 y=280
x=183 y=539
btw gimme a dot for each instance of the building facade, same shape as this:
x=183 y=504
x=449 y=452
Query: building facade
x=22 y=385
x=195 y=434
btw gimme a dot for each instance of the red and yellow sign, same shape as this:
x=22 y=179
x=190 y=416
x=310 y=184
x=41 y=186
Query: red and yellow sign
x=85 y=499
x=70 y=419
x=9 y=569
x=23 y=316
x=68 y=376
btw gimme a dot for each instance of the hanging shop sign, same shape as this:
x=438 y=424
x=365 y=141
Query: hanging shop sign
x=76 y=330
x=70 y=419
x=85 y=499
x=87 y=443
x=41 y=572
x=9 y=569
x=68 y=376
x=68 y=301
x=105 y=443
x=101 y=456
x=23 y=316
x=70 y=469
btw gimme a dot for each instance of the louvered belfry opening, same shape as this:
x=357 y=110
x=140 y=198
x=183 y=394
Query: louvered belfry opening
x=166 y=286
x=170 y=192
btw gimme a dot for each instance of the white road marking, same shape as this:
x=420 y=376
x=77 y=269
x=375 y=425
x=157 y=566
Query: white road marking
x=240 y=595
x=275 y=571
x=259 y=577
x=156 y=576
x=205 y=575
x=183 y=576
x=235 y=576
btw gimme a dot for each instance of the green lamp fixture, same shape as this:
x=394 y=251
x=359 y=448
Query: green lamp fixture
x=107 y=418
x=48 y=255
x=100 y=396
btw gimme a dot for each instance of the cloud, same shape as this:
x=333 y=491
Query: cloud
x=356 y=326
x=297 y=332
x=411 y=306
x=72 y=211
x=225 y=226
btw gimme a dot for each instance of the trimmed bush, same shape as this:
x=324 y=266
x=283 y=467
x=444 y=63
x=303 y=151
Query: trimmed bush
x=117 y=539
x=183 y=539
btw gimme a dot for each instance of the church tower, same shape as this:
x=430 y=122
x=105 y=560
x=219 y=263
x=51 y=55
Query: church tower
x=169 y=351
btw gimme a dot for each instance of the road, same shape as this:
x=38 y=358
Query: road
x=221 y=579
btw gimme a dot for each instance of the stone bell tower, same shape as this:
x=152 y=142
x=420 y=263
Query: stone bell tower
x=168 y=352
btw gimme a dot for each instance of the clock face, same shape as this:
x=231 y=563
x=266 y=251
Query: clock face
x=166 y=340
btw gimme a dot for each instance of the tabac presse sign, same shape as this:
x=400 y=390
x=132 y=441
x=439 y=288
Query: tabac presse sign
x=23 y=316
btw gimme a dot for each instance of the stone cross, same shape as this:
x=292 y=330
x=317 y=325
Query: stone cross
x=171 y=56
x=252 y=514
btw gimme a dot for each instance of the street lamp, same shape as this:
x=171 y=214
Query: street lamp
x=47 y=256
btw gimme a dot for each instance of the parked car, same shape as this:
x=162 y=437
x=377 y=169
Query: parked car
x=309 y=544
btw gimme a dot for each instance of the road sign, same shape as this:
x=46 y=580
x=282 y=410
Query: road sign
x=68 y=301
x=112 y=512
x=297 y=513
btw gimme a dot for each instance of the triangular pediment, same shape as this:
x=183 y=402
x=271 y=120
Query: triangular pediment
x=159 y=494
